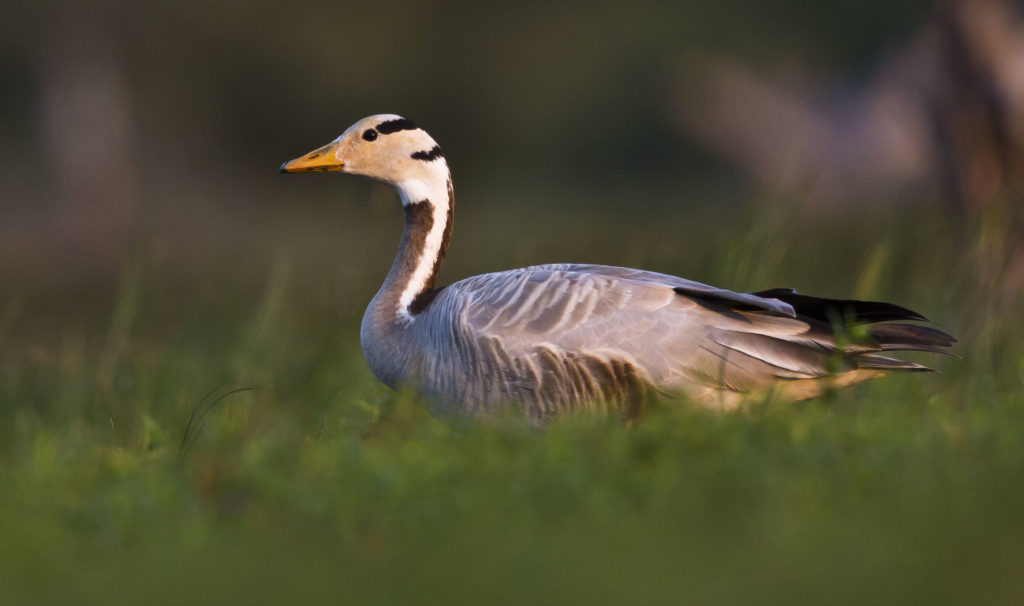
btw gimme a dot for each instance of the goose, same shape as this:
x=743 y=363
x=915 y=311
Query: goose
x=558 y=337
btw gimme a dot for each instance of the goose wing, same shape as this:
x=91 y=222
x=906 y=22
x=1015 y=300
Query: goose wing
x=676 y=333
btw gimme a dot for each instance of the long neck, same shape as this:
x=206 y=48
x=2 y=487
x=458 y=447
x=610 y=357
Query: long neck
x=429 y=212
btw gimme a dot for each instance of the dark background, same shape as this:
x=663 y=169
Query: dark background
x=129 y=123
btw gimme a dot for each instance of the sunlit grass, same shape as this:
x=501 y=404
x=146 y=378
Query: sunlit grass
x=223 y=442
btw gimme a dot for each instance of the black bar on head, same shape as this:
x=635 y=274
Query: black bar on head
x=393 y=126
x=428 y=155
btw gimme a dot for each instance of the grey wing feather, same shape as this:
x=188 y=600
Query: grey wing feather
x=560 y=321
x=689 y=287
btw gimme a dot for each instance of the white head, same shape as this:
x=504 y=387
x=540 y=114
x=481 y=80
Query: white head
x=393 y=150
x=384 y=147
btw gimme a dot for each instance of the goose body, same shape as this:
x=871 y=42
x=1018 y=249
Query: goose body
x=562 y=336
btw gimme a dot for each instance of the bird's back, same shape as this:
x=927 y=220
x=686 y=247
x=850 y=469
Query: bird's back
x=557 y=336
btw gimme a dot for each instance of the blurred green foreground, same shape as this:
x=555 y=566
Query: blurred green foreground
x=317 y=485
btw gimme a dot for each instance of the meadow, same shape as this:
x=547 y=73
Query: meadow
x=208 y=432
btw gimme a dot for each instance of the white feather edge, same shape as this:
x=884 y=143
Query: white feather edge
x=411 y=192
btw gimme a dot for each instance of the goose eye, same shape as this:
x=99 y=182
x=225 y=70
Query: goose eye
x=369 y=134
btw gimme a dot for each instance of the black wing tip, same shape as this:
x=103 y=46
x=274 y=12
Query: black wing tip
x=853 y=310
x=884 y=363
x=884 y=323
x=911 y=337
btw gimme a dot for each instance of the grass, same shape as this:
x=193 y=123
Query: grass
x=213 y=436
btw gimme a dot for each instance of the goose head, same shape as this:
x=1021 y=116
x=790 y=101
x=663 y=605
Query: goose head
x=384 y=147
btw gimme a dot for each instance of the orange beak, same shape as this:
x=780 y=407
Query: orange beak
x=318 y=161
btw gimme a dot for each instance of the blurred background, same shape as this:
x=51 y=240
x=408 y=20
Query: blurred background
x=154 y=130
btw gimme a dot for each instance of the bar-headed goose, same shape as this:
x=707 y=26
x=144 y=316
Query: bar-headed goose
x=556 y=337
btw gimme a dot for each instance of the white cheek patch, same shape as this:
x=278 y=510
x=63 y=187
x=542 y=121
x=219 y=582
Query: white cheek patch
x=415 y=190
x=433 y=185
